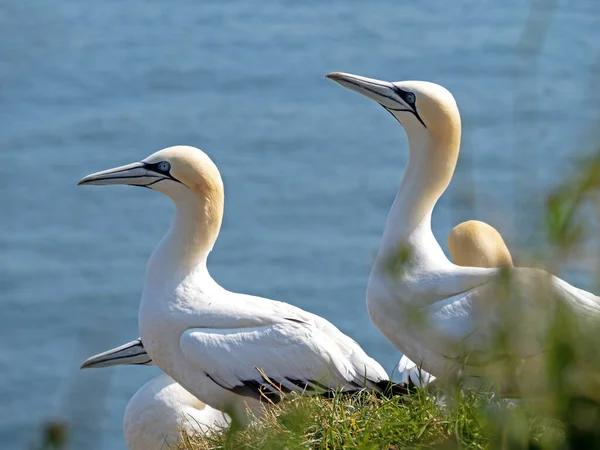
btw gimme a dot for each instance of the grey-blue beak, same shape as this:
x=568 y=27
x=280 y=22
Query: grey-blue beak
x=132 y=353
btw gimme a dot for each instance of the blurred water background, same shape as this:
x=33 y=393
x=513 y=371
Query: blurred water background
x=310 y=169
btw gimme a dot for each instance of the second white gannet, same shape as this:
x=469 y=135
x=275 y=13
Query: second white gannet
x=449 y=319
x=160 y=410
x=470 y=243
x=232 y=351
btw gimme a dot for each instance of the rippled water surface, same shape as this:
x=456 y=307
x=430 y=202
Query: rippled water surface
x=310 y=169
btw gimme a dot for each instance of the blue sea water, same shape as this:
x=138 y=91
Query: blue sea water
x=310 y=169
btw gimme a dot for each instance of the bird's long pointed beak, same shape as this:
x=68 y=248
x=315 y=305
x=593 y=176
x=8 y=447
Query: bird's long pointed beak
x=136 y=174
x=380 y=91
x=132 y=353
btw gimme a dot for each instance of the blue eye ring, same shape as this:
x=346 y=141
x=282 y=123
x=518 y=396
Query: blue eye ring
x=410 y=98
x=164 y=166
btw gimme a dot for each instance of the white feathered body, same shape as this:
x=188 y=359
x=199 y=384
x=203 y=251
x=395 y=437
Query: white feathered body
x=158 y=413
x=455 y=319
x=214 y=342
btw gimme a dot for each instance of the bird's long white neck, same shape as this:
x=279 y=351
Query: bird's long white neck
x=189 y=240
x=430 y=275
x=429 y=171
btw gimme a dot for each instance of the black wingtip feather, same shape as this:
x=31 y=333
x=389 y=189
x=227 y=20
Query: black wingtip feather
x=389 y=388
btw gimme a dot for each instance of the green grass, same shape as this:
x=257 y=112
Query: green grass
x=368 y=422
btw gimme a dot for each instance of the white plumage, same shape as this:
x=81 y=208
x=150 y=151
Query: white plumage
x=411 y=373
x=161 y=410
x=470 y=243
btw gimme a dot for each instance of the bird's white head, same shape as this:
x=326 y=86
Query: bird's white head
x=175 y=171
x=430 y=117
x=422 y=108
x=189 y=177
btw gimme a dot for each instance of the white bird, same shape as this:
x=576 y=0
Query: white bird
x=230 y=350
x=470 y=243
x=161 y=410
x=450 y=319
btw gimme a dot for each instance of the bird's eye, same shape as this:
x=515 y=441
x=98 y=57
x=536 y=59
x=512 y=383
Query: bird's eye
x=164 y=166
x=410 y=98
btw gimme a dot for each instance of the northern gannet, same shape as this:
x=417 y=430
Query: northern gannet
x=447 y=318
x=470 y=243
x=159 y=411
x=227 y=349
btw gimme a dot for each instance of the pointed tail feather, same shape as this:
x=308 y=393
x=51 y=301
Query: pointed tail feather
x=389 y=388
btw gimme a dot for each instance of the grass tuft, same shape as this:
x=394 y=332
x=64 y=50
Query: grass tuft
x=369 y=422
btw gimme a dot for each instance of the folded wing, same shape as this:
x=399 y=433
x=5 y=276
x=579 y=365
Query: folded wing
x=504 y=318
x=273 y=360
